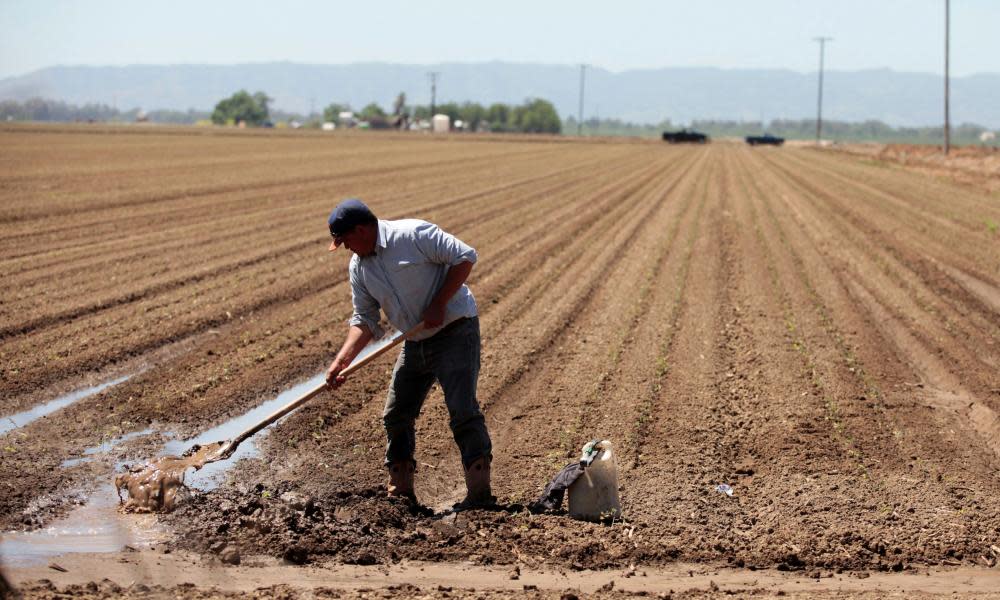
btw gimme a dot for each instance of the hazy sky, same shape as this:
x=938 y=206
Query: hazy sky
x=905 y=35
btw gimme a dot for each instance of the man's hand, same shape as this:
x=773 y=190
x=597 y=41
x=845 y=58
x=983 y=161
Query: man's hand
x=434 y=315
x=456 y=276
x=357 y=337
x=333 y=377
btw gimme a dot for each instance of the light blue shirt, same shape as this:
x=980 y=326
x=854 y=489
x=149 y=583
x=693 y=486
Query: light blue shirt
x=411 y=261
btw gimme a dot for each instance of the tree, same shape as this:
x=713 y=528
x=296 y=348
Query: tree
x=449 y=108
x=241 y=106
x=537 y=116
x=421 y=112
x=498 y=115
x=332 y=113
x=472 y=113
x=375 y=117
x=371 y=112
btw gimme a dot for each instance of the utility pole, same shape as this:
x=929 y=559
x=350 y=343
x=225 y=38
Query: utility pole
x=819 y=99
x=433 y=77
x=947 y=113
x=579 y=123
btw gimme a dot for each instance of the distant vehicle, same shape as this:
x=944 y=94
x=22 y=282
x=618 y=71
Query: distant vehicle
x=765 y=140
x=684 y=136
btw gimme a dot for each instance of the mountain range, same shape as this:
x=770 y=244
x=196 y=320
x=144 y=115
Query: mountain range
x=640 y=96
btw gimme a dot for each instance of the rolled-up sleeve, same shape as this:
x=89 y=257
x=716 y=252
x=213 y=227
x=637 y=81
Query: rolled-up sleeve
x=442 y=247
x=365 y=306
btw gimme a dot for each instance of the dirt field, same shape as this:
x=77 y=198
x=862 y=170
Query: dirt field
x=818 y=330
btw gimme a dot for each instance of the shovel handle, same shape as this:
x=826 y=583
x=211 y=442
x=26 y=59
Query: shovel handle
x=230 y=446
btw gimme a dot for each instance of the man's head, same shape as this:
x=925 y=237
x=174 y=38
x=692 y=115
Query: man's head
x=354 y=225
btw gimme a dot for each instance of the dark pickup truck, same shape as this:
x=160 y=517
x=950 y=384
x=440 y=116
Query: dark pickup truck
x=684 y=136
x=765 y=140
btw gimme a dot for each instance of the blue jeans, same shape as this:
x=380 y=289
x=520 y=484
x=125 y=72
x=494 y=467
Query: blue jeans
x=450 y=357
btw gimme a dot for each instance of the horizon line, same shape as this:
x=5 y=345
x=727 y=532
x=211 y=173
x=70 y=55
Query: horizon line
x=482 y=62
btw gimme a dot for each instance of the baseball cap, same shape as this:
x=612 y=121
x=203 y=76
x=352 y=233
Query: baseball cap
x=346 y=216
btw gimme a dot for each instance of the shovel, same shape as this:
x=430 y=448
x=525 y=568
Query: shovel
x=227 y=447
x=154 y=486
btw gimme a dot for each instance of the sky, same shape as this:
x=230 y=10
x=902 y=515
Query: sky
x=904 y=35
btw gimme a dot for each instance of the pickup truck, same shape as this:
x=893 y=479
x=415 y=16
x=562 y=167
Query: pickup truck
x=765 y=140
x=684 y=136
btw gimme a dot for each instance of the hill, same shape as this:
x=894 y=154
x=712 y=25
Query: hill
x=643 y=96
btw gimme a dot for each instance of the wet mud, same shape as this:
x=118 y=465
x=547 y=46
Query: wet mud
x=816 y=331
x=153 y=487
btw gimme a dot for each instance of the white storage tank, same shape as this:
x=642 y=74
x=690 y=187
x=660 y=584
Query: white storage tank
x=441 y=124
x=594 y=496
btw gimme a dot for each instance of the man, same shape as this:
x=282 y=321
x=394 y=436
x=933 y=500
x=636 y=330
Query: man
x=416 y=273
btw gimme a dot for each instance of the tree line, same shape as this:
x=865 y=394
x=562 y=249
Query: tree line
x=535 y=116
x=801 y=129
x=842 y=131
x=40 y=109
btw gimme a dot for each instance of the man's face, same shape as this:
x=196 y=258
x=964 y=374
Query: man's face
x=360 y=240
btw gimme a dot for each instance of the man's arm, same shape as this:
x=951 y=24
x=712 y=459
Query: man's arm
x=358 y=337
x=453 y=281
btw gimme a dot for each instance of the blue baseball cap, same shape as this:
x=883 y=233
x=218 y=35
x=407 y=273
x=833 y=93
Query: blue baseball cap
x=346 y=216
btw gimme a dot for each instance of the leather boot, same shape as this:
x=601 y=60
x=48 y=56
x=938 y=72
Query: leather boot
x=477 y=482
x=401 y=479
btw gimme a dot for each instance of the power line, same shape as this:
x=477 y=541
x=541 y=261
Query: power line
x=433 y=75
x=947 y=113
x=819 y=96
x=579 y=123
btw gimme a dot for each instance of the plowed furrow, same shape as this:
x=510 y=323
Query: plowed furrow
x=568 y=393
x=212 y=279
x=501 y=393
x=902 y=276
x=673 y=452
x=184 y=195
x=127 y=226
x=869 y=430
x=169 y=262
x=655 y=338
x=832 y=288
x=921 y=257
x=920 y=194
x=268 y=286
x=617 y=397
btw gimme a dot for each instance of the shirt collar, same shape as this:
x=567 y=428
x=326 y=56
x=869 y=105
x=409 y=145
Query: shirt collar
x=383 y=234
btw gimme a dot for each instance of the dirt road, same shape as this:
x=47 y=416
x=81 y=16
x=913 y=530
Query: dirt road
x=819 y=331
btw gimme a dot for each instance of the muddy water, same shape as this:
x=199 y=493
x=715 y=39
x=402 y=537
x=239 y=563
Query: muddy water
x=97 y=525
x=153 y=487
x=103 y=448
x=23 y=418
x=93 y=527
x=211 y=474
